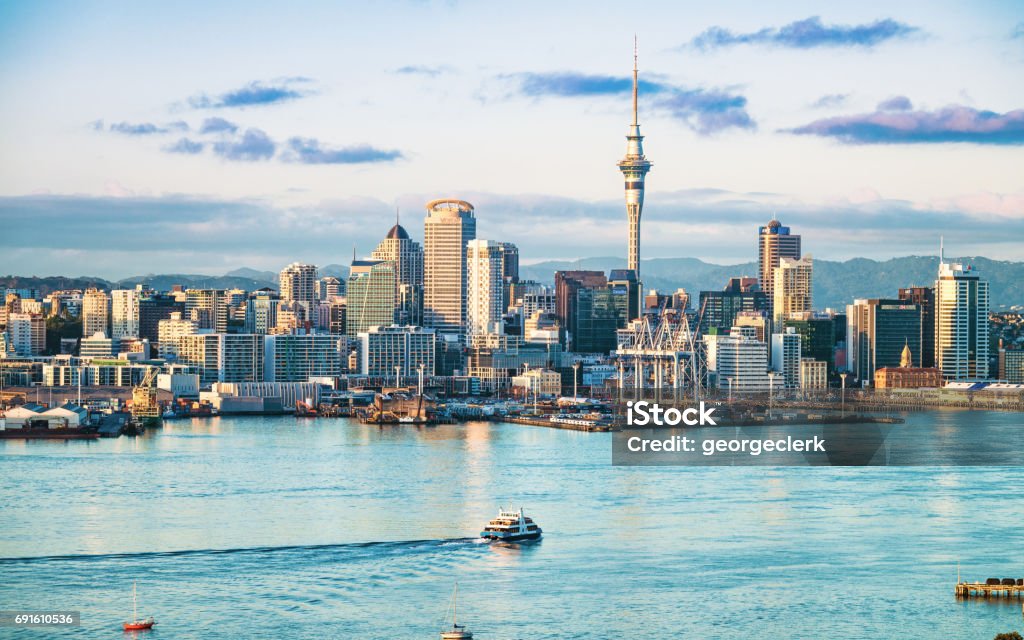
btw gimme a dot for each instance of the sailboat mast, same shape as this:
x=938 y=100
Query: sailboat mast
x=455 y=611
x=135 y=604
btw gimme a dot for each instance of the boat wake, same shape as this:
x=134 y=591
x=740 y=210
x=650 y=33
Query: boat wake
x=386 y=546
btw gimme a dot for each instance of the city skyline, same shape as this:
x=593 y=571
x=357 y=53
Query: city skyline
x=277 y=158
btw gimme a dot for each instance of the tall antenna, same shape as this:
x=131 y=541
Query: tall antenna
x=353 y=253
x=942 y=250
x=396 y=214
x=635 y=56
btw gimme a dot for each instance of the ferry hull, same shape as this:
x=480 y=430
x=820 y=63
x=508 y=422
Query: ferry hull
x=491 y=535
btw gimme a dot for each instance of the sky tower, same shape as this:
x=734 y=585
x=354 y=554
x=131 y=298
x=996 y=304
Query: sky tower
x=634 y=168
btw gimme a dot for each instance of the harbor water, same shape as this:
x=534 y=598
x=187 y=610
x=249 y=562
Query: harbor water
x=277 y=527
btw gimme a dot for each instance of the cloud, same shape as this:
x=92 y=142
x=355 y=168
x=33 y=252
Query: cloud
x=255 y=93
x=831 y=100
x=806 y=34
x=141 y=128
x=185 y=146
x=309 y=151
x=896 y=103
x=253 y=145
x=705 y=110
x=895 y=123
x=423 y=70
x=203 y=235
x=218 y=125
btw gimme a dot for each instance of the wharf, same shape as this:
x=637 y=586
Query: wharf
x=573 y=425
x=984 y=590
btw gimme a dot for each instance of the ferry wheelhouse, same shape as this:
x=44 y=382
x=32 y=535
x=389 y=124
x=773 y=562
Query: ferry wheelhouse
x=511 y=526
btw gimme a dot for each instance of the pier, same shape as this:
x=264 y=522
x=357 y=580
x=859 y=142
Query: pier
x=988 y=590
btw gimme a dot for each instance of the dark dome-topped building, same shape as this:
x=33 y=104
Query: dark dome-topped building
x=398 y=232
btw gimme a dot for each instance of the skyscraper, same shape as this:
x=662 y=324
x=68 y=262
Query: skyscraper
x=791 y=288
x=924 y=297
x=961 y=322
x=95 y=313
x=298 y=285
x=407 y=256
x=371 y=296
x=878 y=330
x=774 y=241
x=207 y=308
x=450 y=224
x=634 y=167
x=124 y=312
x=484 y=285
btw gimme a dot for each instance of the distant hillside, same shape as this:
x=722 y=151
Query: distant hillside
x=835 y=283
x=53 y=283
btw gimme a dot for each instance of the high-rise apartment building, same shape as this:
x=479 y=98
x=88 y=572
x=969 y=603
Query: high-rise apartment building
x=370 y=301
x=407 y=256
x=28 y=333
x=124 y=312
x=95 y=313
x=720 y=308
x=168 y=332
x=449 y=226
x=261 y=311
x=567 y=283
x=484 y=285
x=207 y=308
x=961 y=322
x=223 y=357
x=774 y=242
x=329 y=287
x=154 y=307
x=741 y=362
x=298 y=285
x=791 y=289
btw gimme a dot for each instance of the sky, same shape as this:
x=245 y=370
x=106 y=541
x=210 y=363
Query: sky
x=197 y=137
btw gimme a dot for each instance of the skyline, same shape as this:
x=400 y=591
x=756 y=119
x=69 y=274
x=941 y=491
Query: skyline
x=772 y=112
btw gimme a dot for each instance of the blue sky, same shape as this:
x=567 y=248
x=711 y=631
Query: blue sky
x=195 y=138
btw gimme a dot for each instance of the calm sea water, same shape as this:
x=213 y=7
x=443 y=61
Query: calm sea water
x=285 y=528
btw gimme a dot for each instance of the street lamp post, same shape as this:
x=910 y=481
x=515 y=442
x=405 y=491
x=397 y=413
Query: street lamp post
x=421 y=379
x=842 y=377
x=398 y=373
x=729 y=380
x=771 y=392
x=575 y=381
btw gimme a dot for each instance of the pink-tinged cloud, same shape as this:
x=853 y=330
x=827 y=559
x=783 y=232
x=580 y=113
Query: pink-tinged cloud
x=896 y=123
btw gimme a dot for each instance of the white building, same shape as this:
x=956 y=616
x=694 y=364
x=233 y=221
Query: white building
x=792 y=287
x=813 y=374
x=449 y=226
x=298 y=285
x=124 y=313
x=27 y=333
x=382 y=349
x=741 y=363
x=169 y=330
x=299 y=357
x=484 y=285
x=223 y=357
x=961 y=323
x=786 y=357
x=95 y=313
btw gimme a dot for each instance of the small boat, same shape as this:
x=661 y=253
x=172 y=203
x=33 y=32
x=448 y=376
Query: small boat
x=136 y=624
x=511 y=526
x=457 y=631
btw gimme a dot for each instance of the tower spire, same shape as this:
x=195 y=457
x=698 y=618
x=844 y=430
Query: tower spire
x=635 y=83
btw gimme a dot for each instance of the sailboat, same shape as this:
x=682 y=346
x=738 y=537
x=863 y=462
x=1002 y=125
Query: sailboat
x=457 y=631
x=136 y=624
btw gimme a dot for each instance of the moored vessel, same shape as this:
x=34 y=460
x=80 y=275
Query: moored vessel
x=456 y=631
x=136 y=624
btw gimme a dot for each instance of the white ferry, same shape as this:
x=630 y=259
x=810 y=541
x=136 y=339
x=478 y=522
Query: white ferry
x=511 y=526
